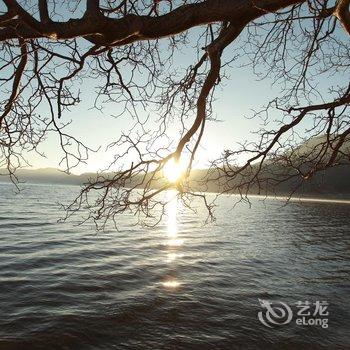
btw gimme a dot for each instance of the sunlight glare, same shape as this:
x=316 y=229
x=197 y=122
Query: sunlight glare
x=173 y=170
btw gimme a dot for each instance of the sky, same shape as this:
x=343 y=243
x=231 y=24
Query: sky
x=97 y=129
x=236 y=98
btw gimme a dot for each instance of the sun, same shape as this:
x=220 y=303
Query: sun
x=173 y=170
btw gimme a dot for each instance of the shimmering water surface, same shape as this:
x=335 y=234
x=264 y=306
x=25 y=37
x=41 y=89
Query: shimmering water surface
x=180 y=285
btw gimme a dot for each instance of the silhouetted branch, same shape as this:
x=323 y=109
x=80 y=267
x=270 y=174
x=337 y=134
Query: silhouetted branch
x=128 y=47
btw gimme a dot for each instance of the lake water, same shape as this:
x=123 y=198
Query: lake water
x=180 y=285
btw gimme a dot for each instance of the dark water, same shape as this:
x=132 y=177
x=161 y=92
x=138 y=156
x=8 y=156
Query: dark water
x=177 y=286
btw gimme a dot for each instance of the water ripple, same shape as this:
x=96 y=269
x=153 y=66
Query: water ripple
x=180 y=285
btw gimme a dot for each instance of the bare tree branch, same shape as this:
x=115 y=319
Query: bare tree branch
x=128 y=49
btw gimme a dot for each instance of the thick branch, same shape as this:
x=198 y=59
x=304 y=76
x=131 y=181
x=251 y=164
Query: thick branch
x=131 y=28
x=44 y=12
x=92 y=7
x=343 y=14
x=214 y=52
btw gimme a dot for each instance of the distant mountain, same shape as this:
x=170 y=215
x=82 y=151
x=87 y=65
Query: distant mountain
x=333 y=182
x=47 y=175
x=330 y=183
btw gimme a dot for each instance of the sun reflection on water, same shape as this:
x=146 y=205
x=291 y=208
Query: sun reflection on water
x=171 y=284
x=173 y=240
x=173 y=256
x=171 y=211
x=172 y=225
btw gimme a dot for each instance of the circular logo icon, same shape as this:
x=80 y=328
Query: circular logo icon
x=275 y=313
